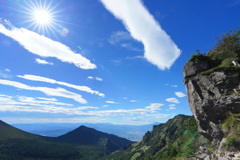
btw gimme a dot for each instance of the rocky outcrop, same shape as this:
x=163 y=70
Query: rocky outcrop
x=212 y=98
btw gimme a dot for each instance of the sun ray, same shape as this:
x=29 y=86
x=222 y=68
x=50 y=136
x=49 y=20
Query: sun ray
x=42 y=16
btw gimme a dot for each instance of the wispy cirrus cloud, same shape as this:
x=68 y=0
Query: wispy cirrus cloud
x=171 y=85
x=41 y=100
x=59 y=92
x=96 y=78
x=5 y=73
x=134 y=101
x=48 y=80
x=111 y=102
x=119 y=36
x=43 y=46
x=42 y=61
x=160 y=50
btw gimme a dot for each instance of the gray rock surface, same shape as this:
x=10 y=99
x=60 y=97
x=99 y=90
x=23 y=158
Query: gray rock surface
x=192 y=68
x=211 y=98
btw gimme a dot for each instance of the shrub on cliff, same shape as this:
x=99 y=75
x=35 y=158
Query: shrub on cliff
x=221 y=58
x=198 y=57
x=228 y=46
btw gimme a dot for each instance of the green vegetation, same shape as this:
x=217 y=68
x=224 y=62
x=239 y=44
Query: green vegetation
x=19 y=145
x=232 y=132
x=198 y=57
x=228 y=46
x=176 y=139
x=220 y=59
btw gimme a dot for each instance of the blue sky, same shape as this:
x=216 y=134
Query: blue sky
x=103 y=61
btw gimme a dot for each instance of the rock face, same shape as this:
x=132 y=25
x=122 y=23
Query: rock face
x=211 y=98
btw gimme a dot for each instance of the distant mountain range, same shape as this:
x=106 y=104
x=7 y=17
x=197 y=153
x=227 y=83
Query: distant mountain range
x=131 y=132
x=82 y=143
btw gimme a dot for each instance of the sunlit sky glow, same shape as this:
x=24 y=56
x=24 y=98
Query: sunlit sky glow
x=106 y=61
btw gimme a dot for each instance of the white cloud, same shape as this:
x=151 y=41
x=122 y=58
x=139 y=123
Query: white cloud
x=90 y=119
x=7 y=70
x=90 y=77
x=104 y=106
x=47 y=99
x=160 y=50
x=5 y=74
x=154 y=106
x=48 y=80
x=119 y=36
x=43 y=46
x=111 y=102
x=172 y=105
x=59 y=92
x=96 y=78
x=29 y=104
x=131 y=47
x=133 y=101
x=41 y=61
x=99 y=79
x=172 y=108
x=34 y=101
x=171 y=85
x=180 y=94
x=172 y=100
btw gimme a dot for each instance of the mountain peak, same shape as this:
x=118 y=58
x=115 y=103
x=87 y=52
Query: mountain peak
x=88 y=136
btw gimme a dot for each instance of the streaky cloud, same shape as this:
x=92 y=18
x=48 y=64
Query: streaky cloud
x=48 y=80
x=159 y=49
x=59 y=92
x=43 y=46
x=180 y=94
x=42 y=61
x=172 y=100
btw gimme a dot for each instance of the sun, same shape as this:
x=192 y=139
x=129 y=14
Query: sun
x=42 y=16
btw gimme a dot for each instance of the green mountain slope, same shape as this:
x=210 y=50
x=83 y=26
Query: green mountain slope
x=19 y=145
x=176 y=138
x=88 y=136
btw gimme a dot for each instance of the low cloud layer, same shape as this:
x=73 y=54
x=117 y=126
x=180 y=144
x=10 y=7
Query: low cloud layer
x=43 y=46
x=160 y=50
x=52 y=106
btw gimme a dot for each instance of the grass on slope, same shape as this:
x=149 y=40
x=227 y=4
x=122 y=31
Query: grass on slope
x=177 y=138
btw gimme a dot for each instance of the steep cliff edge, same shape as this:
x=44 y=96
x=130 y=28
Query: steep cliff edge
x=212 y=98
x=213 y=87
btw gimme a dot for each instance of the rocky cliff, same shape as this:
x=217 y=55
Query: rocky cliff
x=213 y=97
